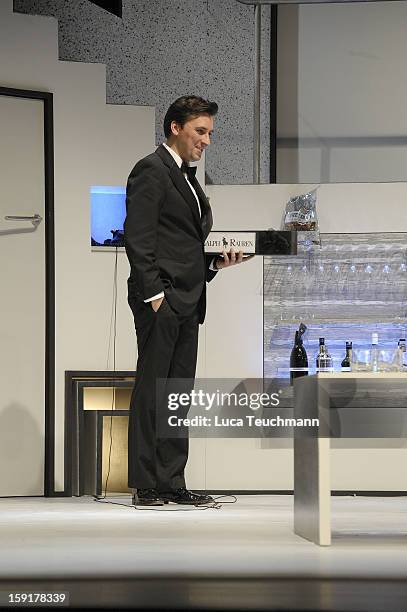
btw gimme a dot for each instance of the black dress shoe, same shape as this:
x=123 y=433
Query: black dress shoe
x=147 y=497
x=183 y=496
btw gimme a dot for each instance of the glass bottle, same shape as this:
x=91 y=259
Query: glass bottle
x=402 y=355
x=346 y=365
x=374 y=353
x=298 y=357
x=324 y=360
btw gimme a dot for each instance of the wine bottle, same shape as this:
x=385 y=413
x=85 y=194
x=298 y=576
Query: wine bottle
x=324 y=360
x=298 y=357
x=402 y=355
x=346 y=365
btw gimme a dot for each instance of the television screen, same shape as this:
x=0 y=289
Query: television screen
x=108 y=212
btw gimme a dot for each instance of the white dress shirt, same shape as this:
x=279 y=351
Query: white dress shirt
x=178 y=161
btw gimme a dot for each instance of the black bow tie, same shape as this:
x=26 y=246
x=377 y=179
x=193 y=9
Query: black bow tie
x=190 y=171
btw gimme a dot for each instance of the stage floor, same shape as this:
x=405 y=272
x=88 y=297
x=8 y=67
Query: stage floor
x=252 y=540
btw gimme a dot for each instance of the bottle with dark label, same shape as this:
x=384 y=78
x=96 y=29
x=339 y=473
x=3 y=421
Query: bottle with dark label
x=346 y=365
x=298 y=357
x=324 y=360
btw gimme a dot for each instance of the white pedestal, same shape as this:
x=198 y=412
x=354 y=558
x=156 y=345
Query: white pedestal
x=312 y=483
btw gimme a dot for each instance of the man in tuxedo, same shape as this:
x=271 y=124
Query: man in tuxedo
x=168 y=220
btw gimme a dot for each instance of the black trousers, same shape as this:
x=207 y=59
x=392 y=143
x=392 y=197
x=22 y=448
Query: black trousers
x=167 y=348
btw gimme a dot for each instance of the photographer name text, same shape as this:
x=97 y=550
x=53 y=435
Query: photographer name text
x=248 y=420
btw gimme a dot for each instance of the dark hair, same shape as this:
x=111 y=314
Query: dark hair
x=185 y=108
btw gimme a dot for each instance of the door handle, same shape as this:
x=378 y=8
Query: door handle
x=35 y=219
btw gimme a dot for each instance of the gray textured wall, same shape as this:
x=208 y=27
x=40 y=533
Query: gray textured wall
x=162 y=49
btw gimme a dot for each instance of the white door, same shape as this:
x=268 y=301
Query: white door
x=22 y=298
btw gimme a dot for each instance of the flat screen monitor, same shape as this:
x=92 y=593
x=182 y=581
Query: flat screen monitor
x=108 y=212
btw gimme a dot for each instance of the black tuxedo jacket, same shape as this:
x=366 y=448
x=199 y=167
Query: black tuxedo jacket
x=164 y=235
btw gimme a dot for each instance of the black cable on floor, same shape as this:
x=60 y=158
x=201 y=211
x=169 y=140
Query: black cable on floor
x=216 y=505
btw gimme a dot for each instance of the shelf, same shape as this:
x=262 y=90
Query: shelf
x=364 y=320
